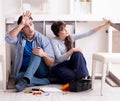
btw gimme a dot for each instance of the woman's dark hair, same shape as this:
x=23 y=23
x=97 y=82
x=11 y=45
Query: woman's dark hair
x=58 y=26
x=20 y=19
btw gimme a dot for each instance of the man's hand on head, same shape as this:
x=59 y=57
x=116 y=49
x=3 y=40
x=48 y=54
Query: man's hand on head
x=26 y=18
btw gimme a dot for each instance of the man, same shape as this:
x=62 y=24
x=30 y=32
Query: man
x=34 y=54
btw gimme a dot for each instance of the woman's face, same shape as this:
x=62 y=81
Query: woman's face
x=64 y=32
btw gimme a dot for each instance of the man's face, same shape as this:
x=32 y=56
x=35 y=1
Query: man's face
x=29 y=29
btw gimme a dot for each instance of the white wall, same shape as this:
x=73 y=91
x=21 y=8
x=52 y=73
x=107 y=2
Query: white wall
x=58 y=7
x=106 y=8
x=54 y=7
x=100 y=8
x=2 y=29
x=112 y=8
x=11 y=7
x=2 y=34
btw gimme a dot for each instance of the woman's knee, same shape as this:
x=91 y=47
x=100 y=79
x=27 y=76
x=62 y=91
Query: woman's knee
x=77 y=54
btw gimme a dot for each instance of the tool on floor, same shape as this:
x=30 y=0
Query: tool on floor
x=36 y=91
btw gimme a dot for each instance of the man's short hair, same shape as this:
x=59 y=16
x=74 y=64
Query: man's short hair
x=20 y=19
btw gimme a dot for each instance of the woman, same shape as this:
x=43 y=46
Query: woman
x=70 y=63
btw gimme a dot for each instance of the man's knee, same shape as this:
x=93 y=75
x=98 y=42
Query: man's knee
x=35 y=57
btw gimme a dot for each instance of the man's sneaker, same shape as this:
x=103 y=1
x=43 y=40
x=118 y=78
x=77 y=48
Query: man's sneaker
x=20 y=86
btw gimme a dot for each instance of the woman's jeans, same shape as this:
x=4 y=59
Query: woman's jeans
x=37 y=72
x=72 y=69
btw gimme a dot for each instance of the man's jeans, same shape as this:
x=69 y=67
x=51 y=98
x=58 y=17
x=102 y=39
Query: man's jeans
x=36 y=72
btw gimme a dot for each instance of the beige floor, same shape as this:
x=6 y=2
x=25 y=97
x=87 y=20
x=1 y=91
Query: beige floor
x=110 y=94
